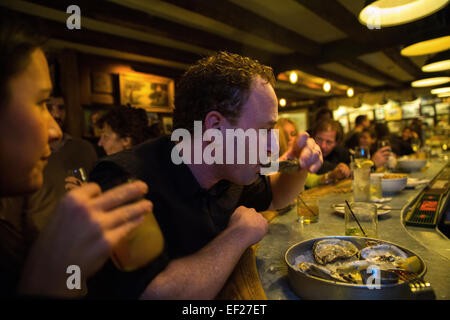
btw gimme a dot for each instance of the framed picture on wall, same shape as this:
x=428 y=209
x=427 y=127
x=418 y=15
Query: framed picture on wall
x=150 y=92
x=393 y=112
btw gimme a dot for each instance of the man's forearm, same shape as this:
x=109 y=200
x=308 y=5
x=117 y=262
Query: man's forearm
x=203 y=274
x=285 y=187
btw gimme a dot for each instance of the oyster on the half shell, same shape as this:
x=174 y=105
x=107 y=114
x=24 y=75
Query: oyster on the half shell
x=383 y=254
x=330 y=250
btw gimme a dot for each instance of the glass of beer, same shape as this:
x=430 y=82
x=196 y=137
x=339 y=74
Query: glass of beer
x=307 y=209
x=141 y=246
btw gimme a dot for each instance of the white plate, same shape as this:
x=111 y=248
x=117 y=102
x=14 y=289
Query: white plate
x=413 y=182
x=381 y=210
x=380 y=200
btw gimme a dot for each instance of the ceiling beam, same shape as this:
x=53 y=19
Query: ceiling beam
x=368 y=70
x=338 y=16
x=248 y=21
x=113 y=13
x=435 y=25
x=58 y=30
x=404 y=63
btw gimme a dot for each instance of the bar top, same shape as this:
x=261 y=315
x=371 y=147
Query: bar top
x=285 y=231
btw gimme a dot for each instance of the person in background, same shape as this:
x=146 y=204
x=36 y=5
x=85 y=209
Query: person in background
x=122 y=128
x=404 y=142
x=82 y=229
x=351 y=139
x=322 y=114
x=328 y=135
x=288 y=132
x=67 y=154
x=378 y=154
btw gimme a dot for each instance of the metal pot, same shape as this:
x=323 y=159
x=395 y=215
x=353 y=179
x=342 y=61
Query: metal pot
x=312 y=287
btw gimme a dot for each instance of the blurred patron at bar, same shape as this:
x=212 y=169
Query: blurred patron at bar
x=81 y=231
x=123 y=127
x=328 y=135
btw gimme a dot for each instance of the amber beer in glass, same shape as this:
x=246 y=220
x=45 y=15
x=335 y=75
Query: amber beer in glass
x=141 y=246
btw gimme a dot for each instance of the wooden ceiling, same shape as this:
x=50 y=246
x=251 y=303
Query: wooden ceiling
x=321 y=37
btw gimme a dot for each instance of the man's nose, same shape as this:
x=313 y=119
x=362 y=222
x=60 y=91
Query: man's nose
x=322 y=145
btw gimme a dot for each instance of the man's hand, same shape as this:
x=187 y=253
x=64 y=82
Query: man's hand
x=72 y=183
x=342 y=171
x=381 y=157
x=307 y=151
x=202 y=274
x=85 y=227
x=252 y=224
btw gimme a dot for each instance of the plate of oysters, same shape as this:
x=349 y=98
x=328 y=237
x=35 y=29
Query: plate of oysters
x=355 y=268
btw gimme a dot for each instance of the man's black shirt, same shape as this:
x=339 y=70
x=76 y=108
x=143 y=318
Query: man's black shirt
x=189 y=215
x=337 y=155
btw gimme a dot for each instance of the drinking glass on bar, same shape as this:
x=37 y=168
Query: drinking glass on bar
x=366 y=213
x=307 y=209
x=361 y=175
x=375 y=186
x=361 y=183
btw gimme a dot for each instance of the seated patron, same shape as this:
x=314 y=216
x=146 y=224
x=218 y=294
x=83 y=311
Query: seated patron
x=328 y=135
x=67 y=154
x=378 y=154
x=287 y=130
x=87 y=223
x=123 y=127
x=351 y=139
x=208 y=211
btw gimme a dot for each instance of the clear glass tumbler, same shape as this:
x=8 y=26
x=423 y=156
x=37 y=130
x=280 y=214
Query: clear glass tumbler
x=307 y=209
x=367 y=220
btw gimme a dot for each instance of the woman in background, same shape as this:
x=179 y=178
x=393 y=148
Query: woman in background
x=122 y=128
x=287 y=130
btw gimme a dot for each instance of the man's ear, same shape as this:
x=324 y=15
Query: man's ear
x=126 y=142
x=214 y=120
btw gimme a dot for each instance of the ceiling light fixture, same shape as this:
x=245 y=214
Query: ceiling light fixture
x=439 y=62
x=440 y=90
x=427 y=47
x=386 y=13
x=293 y=77
x=444 y=95
x=429 y=82
x=327 y=86
x=350 y=92
x=282 y=102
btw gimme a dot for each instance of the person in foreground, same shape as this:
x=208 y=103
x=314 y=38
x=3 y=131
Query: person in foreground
x=87 y=222
x=208 y=211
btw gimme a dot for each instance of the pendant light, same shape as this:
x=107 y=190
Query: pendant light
x=387 y=13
